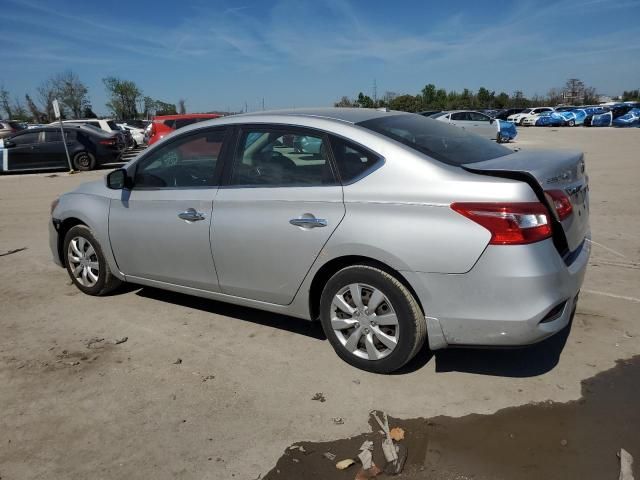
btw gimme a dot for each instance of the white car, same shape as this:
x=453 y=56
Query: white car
x=518 y=118
x=106 y=124
x=136 y=133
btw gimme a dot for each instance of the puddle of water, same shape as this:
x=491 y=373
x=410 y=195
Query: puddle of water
x=575 y=440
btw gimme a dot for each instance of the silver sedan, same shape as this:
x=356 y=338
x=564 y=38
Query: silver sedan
x=397 y=230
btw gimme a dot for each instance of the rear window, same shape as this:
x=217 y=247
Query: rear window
x=442 y=142
x=113 y=126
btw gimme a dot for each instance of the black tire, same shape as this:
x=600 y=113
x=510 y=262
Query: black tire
x=412 y=327
x=84 y=161
x=498 y=138
x=571 y=123
x=106 y=282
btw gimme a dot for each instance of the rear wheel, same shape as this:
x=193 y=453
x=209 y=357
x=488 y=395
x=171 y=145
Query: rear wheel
x=571 y=123
x=371 y=319
x=86 y=264
x=84 y=161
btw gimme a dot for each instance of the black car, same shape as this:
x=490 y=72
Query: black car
x=42 y=149
x=503 y=114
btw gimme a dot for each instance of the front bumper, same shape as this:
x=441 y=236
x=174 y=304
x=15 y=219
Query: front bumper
x=514 y=295
x=53 y=241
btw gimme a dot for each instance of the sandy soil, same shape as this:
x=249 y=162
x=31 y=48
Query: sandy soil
x=77 y=409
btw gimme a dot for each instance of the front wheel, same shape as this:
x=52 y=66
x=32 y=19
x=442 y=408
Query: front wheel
x=86 y=264
x=84 y=161
x=571 y=123
x=371 y=319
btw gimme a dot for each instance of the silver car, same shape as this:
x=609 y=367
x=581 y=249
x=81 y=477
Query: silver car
x=400 y=230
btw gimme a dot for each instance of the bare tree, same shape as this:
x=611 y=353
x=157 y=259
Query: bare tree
x=71 y=92
x=36 y=114
x=182 y=109
x=46 y=95
x=5 y=102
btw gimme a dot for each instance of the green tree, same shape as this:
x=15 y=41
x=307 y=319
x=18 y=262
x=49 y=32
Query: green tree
x=502 y=100
x=123 y=95
x=485 y=98
x=406 y=103
x=364 y=101
x=163 y=108
x=344 y=102
x=429 y=96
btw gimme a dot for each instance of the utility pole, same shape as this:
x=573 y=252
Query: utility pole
x=246 y=109
x=375 y=91
x=263 y=104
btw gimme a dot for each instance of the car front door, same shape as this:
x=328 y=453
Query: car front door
x=276 y=211
x=160 y=228
x=482 y=125
x=23 y=151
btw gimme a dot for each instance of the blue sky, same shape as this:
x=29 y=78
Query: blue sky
x=221 y=54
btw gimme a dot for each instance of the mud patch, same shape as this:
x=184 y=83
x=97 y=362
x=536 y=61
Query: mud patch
x=548 y=440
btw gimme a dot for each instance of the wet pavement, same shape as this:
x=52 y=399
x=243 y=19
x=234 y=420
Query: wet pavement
x=574 y=440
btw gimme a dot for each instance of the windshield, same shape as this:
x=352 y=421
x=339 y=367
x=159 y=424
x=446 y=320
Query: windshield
x=443 y=142
x=113 y=126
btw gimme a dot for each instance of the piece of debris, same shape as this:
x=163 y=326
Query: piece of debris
x=338 y=420
x=208 y=377
x=53 y=175
x=394 y=468
x=120 y=340
x=72 y=364
x=11 y=252
x=94 y=341
x=319 y=397
x=564 y=443
x=329 y=456
x=295 y=460
x=344 y=464
x=364 y=474
x=627 y=335
x=626 y=465
x=397 y=434
x=178 y=361
x=366 y=458
x=357 y=382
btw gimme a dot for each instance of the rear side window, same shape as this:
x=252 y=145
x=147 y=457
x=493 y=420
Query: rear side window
x=445 y=143
x=460 y=116
x=353 y=161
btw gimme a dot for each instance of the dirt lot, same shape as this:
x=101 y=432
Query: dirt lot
x=73 y=408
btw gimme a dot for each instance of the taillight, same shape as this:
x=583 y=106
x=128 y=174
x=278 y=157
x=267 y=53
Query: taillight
x=108 y=141
x=561 y=203
x=509 y=223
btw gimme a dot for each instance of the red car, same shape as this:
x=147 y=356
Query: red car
x=165 y=124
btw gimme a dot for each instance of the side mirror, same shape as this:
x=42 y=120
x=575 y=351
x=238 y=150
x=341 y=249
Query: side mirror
x=8 y=144
x=118 y=179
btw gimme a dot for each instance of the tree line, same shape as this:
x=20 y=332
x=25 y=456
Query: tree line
x=126 y=100
x=575 y=92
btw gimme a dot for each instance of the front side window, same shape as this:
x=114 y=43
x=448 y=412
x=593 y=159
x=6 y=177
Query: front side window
x=460 y=116
x=186 y=162
x=281 y=158
x=26 y=138
x=479 y=117
x=353 y=161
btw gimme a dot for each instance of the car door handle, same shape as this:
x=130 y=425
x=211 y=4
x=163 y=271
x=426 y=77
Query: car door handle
x=191 y=215
x=308 y=222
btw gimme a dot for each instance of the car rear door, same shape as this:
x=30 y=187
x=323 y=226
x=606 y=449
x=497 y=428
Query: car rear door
x=160 y=228
x=274 y=214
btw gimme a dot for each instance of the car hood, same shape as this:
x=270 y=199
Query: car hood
x=96 y=187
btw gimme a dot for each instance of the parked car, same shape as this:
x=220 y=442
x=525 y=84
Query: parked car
x=605 y=117
x=137 y=123
x=517 y=118
x=108 y=125
x=165 y=124
x=9 y=127
x=42 y=149
x=428 y=113
x=406 y=230
x=480 y=124
x=629 y=119
x=547 y=119
x=506 y=112
x=137 y=134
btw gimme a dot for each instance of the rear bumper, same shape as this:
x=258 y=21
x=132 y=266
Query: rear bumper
x=514 y=295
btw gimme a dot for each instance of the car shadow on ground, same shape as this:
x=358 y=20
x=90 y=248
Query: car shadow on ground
x=529 y=361
x=259 y=317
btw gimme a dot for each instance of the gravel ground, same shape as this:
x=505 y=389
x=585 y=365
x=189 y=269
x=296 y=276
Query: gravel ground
x=76 y=404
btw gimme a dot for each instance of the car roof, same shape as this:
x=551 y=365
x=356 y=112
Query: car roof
x=187 y=115
x=348 y=115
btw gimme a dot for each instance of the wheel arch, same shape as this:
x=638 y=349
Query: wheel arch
x=330 y=268
x=66 y=225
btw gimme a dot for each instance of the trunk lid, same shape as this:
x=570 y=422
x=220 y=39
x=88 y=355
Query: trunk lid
x=546 y=170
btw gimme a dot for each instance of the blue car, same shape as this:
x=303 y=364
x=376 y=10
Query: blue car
x=549 y=119
x=630 y=119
